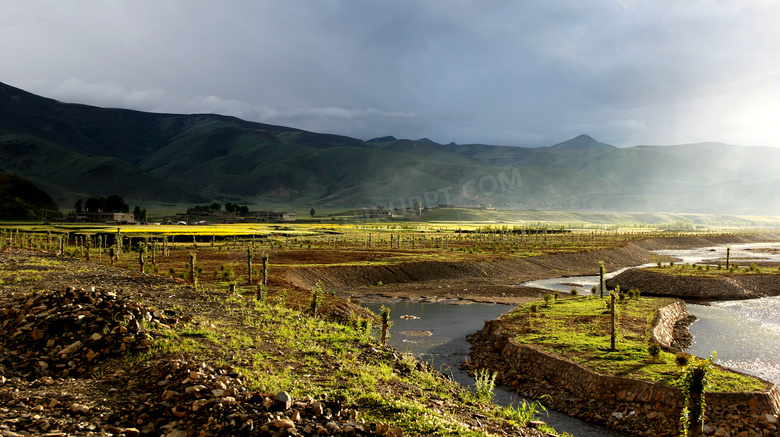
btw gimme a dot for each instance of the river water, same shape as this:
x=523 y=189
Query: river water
x=745 y=333
x=439 y=337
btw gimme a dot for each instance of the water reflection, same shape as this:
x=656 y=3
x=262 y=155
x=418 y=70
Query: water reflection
x=745 y=334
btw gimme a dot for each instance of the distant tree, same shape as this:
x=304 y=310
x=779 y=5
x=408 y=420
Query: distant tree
x=95 y=204
x=116 y=203
x=312 y=212
x=215 y=206
x=417 y=208
x=137 y=212
x=243 y=210
x=78 y=206
x=230 y=207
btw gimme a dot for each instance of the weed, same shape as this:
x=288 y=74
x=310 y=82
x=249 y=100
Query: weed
x=524 y=412
x=484 y=384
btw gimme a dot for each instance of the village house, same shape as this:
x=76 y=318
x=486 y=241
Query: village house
x=114 y=218
x=270 y=216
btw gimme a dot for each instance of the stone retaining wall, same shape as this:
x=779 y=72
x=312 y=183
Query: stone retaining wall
x=637 y=407
x=664 y=321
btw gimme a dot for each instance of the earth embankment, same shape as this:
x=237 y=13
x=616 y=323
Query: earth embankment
x=493 y=281
x=725 y=287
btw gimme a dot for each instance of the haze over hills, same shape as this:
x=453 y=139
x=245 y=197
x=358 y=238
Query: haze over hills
x=76 y=151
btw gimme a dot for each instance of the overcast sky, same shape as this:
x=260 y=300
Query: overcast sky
x=530 y=73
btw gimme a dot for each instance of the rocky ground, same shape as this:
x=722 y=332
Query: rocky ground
x=80 y=355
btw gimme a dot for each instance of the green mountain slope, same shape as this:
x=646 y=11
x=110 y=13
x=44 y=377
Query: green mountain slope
x=74 y=151
x=20 y=199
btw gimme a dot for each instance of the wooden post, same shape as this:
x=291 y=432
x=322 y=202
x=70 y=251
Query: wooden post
x=612 y=313
x=249 y=256
x=384 y=313
x=193 y=279
x=728 y=256
x=602 y=284
x=265 y=270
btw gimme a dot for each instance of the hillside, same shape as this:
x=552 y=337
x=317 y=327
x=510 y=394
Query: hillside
x=74 y=151
x=20 y=199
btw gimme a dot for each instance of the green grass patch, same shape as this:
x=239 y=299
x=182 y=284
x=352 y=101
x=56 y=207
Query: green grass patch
x=578 y=329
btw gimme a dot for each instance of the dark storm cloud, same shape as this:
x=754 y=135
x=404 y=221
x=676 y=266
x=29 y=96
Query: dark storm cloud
x=527 y=73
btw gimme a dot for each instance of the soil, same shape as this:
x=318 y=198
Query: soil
x=493 y=282
x=726 y=286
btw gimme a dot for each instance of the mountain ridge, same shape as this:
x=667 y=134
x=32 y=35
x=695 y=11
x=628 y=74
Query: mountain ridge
x=74 y=151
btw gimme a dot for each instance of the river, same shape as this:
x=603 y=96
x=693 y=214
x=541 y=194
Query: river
x=439 y=337
x=745 y=333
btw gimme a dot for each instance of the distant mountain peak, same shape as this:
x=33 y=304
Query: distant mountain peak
x=582 y=142
x=428 y=141
x=386 y=139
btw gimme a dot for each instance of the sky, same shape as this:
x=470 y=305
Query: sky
x=524 y=73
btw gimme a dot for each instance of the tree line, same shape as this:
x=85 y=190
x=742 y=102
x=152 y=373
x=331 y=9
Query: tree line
x=112 y=203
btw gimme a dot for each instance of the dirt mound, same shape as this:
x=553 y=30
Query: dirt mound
x=726 y=287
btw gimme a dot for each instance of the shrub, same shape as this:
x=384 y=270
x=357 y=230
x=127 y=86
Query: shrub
x=574 y=291
x=549 y=299
x=534 y=307
x=316 y=298
x=634 y=293
x=682 y=359
x=653 y=350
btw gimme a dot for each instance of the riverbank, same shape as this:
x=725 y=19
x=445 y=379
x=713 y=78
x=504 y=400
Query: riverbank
x=727 y=286
x=495 y=281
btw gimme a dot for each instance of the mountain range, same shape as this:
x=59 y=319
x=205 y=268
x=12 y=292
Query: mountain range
x=76 y=151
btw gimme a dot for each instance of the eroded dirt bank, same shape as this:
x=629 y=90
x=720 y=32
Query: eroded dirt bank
x=728 y=287
x=495 y=281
